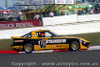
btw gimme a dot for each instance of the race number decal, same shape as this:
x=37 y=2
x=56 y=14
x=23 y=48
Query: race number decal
x=42 y=44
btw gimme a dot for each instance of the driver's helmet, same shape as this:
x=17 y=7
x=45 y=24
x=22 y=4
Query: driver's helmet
x=42 y=34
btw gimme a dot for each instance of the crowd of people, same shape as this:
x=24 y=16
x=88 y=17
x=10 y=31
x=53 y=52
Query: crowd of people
x=38 y=16
x=86 y=11
x=82 y=11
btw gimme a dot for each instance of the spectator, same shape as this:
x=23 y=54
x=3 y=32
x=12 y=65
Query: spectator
x=96 y=11
x=62 y=13
x=19 y=17
x=37 y=17
x=79 y=12
x=51 y=14
x=86 y=10
x=91 y=11
x=56 y=14
x=41 y=16
x=22 y=17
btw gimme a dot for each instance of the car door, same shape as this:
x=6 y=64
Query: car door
x=50 y=42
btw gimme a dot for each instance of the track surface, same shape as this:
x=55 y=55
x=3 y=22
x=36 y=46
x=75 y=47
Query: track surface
x=56 y=59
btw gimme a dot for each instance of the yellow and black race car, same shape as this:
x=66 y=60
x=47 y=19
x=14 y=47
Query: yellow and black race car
x=47 y=40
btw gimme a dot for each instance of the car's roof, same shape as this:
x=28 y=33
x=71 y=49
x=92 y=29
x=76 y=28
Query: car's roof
x=40 y=30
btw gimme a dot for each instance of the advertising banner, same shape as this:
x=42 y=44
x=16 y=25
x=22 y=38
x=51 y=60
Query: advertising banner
x=26 y=2
x=4 y=12
x=19 y=24
x=34 y=2
x=37 y=2
x=48 y=1
x=18 y=2
x=78 y=1
x=64 y=1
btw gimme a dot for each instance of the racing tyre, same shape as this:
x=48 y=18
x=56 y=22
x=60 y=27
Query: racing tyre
x=28 y=48
x=74 y=46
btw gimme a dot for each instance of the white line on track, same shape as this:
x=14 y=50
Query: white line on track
x=94 y=48
x=43 y=51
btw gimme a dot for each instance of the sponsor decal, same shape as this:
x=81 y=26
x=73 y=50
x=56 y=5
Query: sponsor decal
x=64 y=1
x=11 y=25
x=24 y=24
x=18 y=40
x=56 y=41
x=54 y=45
x=42 y=44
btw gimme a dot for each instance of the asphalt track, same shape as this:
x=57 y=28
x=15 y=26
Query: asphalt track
x=55 y=59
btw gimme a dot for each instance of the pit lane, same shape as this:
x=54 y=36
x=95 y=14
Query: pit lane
x=9 y=60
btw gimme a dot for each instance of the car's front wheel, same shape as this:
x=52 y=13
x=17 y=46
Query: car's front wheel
x=74 y=46
x=28 y=48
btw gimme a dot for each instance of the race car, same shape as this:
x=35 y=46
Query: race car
x=47 y=40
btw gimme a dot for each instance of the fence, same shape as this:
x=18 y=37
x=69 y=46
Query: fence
x=69 y=19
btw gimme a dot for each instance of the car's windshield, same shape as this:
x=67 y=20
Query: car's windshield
x=47 y=34
x=27 y=35
x=55 y=34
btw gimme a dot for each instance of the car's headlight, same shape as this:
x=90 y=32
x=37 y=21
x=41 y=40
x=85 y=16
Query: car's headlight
x=81 y=41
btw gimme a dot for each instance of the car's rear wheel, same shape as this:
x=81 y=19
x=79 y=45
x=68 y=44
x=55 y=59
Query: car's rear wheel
x=74 y=46
x=28 y=48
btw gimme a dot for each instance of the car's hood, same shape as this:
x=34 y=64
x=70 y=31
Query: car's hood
x=15 y=37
